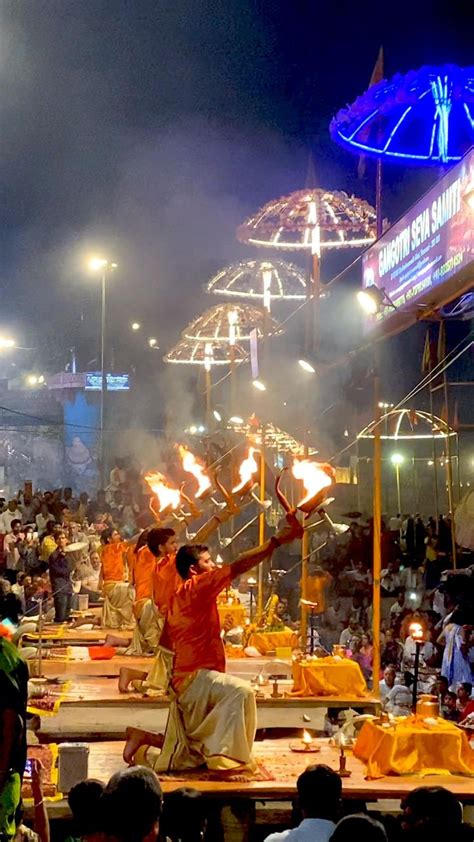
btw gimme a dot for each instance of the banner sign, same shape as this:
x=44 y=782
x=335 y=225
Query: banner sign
x=419 y=254
x=115 y=382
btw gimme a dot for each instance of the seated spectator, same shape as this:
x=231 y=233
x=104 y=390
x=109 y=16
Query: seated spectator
x=399 y=699
x=450 y=710
x=433 y=803
x=441 y=689
x=131 y=806
x=358 y=827
x=85 y=804
x=319 y=797
x=184 y=816
x=29 y=551
x=353 y=630
x=388 y=682
x=19 y=588
x=427 y=653
x=11 y=550
x=391 y=652
x=389 y=580
x=465 y=702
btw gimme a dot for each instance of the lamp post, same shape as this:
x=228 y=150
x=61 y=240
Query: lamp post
x=100 y=264
x=397 y=459
x=417 y=634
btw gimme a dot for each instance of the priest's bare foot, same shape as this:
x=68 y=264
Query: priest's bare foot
x=115 y=640
x=135 y=738
x=126 y=676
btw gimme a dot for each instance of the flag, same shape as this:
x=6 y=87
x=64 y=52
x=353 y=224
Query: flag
x=428 y=361
x=377 y=76
x=441 y=349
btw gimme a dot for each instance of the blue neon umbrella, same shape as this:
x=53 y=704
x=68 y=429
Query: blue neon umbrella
x=425 y=117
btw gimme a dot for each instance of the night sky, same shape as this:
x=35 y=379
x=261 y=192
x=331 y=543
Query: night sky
x=148 y=130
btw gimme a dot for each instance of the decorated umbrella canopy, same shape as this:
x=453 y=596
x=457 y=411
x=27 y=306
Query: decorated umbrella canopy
x=229 y=323
x=267 y=280
x=275 y=439
x=203 y=353
x=424 y=117
x=408 y=424
x=340 y=220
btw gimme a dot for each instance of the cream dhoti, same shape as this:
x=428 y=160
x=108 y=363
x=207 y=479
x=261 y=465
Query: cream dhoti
x=212 y=722
x=117 y=612
x=146 y=634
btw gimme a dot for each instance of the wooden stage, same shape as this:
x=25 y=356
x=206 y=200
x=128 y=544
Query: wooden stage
x=93 y=708
x=284 y=767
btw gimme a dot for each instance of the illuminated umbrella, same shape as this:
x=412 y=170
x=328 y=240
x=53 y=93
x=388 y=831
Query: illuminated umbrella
x=201 y=352
x=230 y=323
x=266 y=280
x=311 y=220
x=424 y=117
x=408 y=424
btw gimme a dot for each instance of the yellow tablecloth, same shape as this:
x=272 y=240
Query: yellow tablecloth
x=268 y=641
x=413 y=746
x=328 y=677
x=237 y=612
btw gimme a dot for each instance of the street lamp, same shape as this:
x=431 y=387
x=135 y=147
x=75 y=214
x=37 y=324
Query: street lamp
x=397 y=459
x=136 y=325
x=259 y=385
x=373 y=298
x=6 y=343
x=152 y=342
x=100 y=264
x=307 y=366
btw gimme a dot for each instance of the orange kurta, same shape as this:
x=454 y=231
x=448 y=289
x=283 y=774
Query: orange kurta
x=113 y=564
x=143 y=568
x=165 y=580
x=193 y=626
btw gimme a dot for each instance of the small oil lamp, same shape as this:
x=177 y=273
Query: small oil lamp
x=306 y=744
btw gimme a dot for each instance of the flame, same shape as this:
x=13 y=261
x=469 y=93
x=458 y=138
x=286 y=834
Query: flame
x=416 y=631
x=307 y=738
x=248 y=467
x=167 y=497
x=315 y=476
x=192 y=466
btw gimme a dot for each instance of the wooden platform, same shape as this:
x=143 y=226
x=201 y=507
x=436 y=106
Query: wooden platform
x=93 y=707
x=284 y=766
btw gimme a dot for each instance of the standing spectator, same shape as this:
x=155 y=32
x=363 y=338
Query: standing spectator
x=11 y=513
x=11 y=550
x=319 y=798
x=29 y=509
x=60 y=578
x=420 y=535
x=29 y=551
x=129 y=515
x=455 y=637
x=49 y=543
x=83 y=507
x=42 y=518
x=398 y=610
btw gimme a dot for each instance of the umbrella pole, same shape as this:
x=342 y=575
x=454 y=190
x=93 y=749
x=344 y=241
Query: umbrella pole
x=377 y=530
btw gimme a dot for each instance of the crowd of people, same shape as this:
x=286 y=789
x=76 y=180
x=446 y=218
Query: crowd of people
x=58 y=547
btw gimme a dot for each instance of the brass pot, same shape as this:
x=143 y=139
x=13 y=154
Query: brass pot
x=338 y=650
x=427 y=705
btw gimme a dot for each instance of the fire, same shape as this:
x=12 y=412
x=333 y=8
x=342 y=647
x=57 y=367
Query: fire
x=315 y=475
x=307 y=738
x=192 y=466
x=168 y=498
x=248 y=467
x=416 y=631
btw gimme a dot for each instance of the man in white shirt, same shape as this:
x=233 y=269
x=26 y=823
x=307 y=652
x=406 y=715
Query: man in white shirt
x=390 y=580
x=12 y=512
x=387 y=683
x=11 y=546
x=319 y=798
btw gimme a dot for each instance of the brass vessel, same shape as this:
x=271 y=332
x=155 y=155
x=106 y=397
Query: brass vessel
x=427 y=706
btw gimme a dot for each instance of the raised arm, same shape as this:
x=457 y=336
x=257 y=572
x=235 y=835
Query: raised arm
x=246 y=561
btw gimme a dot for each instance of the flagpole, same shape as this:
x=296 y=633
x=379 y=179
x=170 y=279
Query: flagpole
x=378 y=198
x=433 y=454
x=449 y=470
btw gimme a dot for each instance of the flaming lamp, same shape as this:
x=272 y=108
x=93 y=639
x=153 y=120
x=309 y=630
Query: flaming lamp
x=306 y=744
x=417 y=633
